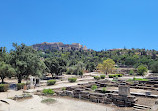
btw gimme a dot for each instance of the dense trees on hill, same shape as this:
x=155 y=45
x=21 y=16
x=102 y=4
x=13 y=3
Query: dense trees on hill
x=55 y=65
x=134 y=57
x=24 y=61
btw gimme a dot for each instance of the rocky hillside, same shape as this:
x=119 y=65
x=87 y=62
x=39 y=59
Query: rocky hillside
x=59 y=46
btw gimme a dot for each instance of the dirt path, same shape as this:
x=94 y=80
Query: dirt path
x=61 y=104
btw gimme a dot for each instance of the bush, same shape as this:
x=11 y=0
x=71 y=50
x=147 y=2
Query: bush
x=102 y=76
x=119 y=75
x=3 y=87
x=20 y=86
x=51 y=82
x=131 y=72
x=94 y=87
x=111 y=76
x=64 y=88
x=48 y=91
x=73 y=79
x=115 y=75
x=104 y=90
x=137 y=79
x=96 y=77
x=141 y=70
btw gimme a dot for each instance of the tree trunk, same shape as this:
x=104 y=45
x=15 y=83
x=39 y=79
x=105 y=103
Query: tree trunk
x=19 y=78
x=2 y=80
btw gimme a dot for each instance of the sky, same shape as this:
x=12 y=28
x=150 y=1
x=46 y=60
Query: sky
x=98 y=24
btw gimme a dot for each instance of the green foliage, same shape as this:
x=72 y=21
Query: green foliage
x=20 y=86
x=107 y=66
x=154 y=67
x=102 y=76
x=137 y=79
x=3 y=87
x=94 y=87
x=51 y=82
x=6 y=71
x=104 y=90
x=131 y=72
x=115 y=75
x=56 y=65
x=48 y=101
x=141 y=70
x=73 y=79
x=48 y=92
x=96 y=77
x=25 y=61
x=64 y=88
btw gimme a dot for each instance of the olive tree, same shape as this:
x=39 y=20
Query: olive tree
x=26 y=61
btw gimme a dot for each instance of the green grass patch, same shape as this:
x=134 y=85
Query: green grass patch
x=48 y=101
x=137 y=79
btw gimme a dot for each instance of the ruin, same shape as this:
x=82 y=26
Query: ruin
x=84 y=91
x=123 y=98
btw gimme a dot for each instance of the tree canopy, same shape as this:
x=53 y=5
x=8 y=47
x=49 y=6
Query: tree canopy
x=26 y=61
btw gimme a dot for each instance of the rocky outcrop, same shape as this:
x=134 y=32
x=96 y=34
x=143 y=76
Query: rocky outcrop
x=59 y=46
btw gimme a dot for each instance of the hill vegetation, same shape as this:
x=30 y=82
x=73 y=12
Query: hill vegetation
x=24 y=61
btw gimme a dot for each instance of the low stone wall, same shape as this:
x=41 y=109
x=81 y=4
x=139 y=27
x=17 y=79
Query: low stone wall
x=83 y=91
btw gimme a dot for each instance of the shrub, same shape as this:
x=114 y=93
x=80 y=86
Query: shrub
x=141 y=70
x=20 y=86
x=115 y=75
x=111 y=76
x=104 y=90
x=3 y=87
x=96 y=77
x=73 y=79
x=102 y=76
x=51 y=82
x=64 y=88
x=119 y=75
x=48 y=91
x=137 y=79
x=94 y=87
x=131 y=72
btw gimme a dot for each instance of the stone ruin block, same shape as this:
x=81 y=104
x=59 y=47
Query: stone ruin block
x=156 y=85
x=84 y=95
x=97 y=97
x=124 y=90
x=69 y=93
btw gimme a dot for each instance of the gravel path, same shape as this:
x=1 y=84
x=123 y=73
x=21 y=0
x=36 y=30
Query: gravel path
x=61 y=104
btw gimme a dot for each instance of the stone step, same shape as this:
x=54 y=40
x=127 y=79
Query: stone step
x=137 y=109
x=139 y=105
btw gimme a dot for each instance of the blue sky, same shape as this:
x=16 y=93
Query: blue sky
x=98 y=24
